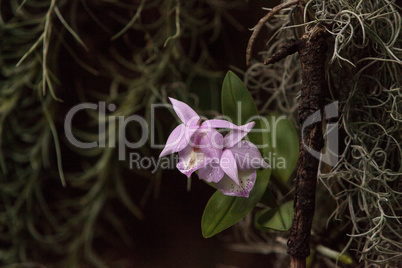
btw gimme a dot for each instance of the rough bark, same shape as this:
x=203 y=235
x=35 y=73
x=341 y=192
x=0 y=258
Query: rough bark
x=287 y=49
x=312 y=53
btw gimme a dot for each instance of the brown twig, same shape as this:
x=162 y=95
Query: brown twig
x=257 y=28
x=312 y=49
x=287 y=49
x=312 y=54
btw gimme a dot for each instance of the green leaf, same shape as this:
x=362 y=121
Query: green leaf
x=279 y=219
x=223 y=211
x=239 y=106
x=283 y=150
x=269 y=199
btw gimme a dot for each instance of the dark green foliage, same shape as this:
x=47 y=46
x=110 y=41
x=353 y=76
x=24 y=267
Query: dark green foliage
x=57 y=54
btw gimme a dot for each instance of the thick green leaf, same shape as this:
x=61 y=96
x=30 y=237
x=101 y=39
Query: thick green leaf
x=239 y=106
x=223 y=211
x=283 y=150
x=279 y=219
x=269 y=199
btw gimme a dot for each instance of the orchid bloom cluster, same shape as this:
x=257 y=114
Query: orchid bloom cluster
x=228 y=162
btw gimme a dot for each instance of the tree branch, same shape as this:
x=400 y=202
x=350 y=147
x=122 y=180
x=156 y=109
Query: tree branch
x=287 y=49
x=257 y=28
x=312 y=53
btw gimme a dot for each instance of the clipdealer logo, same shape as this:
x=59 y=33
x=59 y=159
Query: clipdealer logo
x=112 y=134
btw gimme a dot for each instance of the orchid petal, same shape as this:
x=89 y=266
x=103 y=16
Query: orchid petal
x=218 y=123
x=248 y=156
x=187 y=115
x=211 y=172
x=191 y=159
x=246 y=183
x=228 y=165
x=234 y=136
x=211 y=143
x=203 y=148
x=177 y=140
x=247 y=127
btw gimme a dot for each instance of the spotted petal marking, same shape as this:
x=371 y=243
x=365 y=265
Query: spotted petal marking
x=246 y=182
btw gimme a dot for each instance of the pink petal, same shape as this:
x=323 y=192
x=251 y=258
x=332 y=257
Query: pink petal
x=211 y=172
x=246 y=184
x=187 y=115
x=247 y=127
x=211 y=143
x=248 y=156
x=218 y=123
x=228 y=165
x=203 y=148
x=234 y=136
x=191 y=159
x=177 y=140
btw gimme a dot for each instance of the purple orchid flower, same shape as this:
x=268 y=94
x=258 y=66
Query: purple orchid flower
x=228 y=162
x=191 y=122
x=206 y=147
x=234 y=173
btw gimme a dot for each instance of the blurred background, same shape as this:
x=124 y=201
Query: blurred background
x=65 y=206
x=57 y=54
